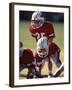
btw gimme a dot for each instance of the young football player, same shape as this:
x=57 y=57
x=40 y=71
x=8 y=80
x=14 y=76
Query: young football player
x=41 y=56
x=26 y=59
x=41 y=28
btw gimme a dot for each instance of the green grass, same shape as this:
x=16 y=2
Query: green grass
x=25 y=36
x=29 y=41
x=59 y=32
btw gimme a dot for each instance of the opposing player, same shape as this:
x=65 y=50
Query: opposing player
x=41 y=28
x=26 y=58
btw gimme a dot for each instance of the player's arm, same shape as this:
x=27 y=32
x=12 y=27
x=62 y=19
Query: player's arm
x=50 y=31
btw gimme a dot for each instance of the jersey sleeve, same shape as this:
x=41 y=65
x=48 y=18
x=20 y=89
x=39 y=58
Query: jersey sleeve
x=31 y=30
x=50 y=30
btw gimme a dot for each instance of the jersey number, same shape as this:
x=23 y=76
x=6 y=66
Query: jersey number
x=39 y=35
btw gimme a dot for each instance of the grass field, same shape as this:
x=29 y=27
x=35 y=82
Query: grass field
x=29 y=42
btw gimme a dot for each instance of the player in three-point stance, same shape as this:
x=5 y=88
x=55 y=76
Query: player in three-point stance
x=26 y=59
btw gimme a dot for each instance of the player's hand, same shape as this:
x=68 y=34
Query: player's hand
x=37 y=69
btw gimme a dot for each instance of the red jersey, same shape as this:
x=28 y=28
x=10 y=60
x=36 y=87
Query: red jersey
x=39 y=62
x=52 y=50
x=38 y=59
x=46 y=30
x=27 y=57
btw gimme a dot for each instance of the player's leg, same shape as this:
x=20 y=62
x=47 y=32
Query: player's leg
x=56 y=59
x=59 y=71
x=50 y=68
x=31 y=71
x=38 y=69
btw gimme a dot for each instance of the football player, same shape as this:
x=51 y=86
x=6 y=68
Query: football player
x=41 y=28
x=41 y=56
x=26 y=59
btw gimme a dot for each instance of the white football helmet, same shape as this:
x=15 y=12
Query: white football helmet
x=42 y=47
x=37 y=20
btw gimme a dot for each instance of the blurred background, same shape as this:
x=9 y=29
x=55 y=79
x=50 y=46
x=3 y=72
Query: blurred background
x=49 y=16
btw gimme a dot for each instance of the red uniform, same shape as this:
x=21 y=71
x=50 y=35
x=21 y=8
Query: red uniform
x=52 y=49
x=53 y=53
x=39 y=63
x=46 y=30
x=26 y=61
x=27 y=57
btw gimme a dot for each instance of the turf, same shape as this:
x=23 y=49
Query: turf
x=25 y=36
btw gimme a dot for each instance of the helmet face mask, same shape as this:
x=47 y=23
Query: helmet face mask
x=42 y=47
x=42 y=53
x=37 y=20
